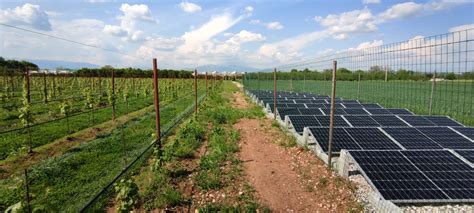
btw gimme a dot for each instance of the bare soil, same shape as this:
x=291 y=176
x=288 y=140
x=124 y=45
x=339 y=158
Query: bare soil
x=288 y=178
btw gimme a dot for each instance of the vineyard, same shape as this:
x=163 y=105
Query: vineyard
x=67 y=131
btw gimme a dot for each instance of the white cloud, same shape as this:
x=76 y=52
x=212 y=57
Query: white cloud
x=402 y=10
x=197 y=39
x=132 y=15
x=246 y=36
x=115 y=30
x=274 y=25
x=26 y=15
x=288 y=49
x=356 y=21
x=371 y=1
x=249 y=9
x=462 y=28
x=369 y=44
x=254 y=21
x=189 y=7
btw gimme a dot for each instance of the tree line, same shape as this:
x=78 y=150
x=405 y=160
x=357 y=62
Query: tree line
x=374 y=73
x=15 y=67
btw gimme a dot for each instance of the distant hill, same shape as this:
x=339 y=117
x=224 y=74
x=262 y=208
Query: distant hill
x=226 y=68
x=53 y=64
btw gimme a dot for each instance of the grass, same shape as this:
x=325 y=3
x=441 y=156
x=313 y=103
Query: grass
x=452 y=98
x=67 y=182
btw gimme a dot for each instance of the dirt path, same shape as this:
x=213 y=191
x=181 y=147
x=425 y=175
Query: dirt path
x=288 y=178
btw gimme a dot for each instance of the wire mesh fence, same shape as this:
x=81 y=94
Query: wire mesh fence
x=428 y=75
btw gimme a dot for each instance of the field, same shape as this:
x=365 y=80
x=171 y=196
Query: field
x=452 y=98
x=76 y=154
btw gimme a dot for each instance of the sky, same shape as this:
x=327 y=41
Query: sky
x=186 y=34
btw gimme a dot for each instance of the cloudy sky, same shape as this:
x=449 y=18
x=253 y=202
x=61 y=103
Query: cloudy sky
x=185 y=34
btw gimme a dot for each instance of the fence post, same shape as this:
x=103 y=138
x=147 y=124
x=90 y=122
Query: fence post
x=274 y=93
x=386 y=73
x=156 y=96
x=27 y=191
x=206 y=84
x=433 y=87
x=304 y=81
x=195 y=93
x=27 y=78
x=45 y=88
x=358 y=87
x=331 y=118
x=113 y=95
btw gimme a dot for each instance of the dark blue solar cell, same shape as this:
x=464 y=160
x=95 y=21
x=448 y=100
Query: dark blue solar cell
x=324 y=120
x=447 y=138
x=282 y=112
x=355 y=111
x=310 y=111
x=388 y=120
x=468 y=132
x=417 y=120
x=467 y=154
x=371 y=139
x=442 y=121
x=299 y=122
x=361 y=120
x=378 y=111
x=411 y=138
x=341 y=140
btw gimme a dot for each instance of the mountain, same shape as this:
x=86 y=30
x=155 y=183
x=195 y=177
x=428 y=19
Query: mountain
x=53 y=64
x=226 y=68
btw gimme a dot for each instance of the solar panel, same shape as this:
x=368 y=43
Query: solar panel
x=360 y=120
x=310 y=111
x=303 y=101
x=371 y=138
x=468 y=132
x=453 y=176
x=351 y=105
x=388 y=120
x=301 y=121
x=335 y=105
x=355 y=111
x=337 y=111
x=442 y=121
x=417 y=120
x=315 y=105
x=292 y=105
x=287 y=111
x=378 y=111
x=341 y=139
x=368 y=106
x=338 y=121
x=467 y=154
x=411 y=138
x=447 y=138
x=400 y=111
x=319 y=101
x=395 y=177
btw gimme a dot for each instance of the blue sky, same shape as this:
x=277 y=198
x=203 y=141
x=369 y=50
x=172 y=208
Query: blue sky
x=184 y=34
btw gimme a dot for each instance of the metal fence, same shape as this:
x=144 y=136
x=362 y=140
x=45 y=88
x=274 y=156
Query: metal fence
x=429 y=75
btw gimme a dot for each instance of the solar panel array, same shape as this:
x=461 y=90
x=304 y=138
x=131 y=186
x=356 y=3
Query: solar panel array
x=406 y=157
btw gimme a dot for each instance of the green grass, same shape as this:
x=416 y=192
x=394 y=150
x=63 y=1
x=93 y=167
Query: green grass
x=65 y=183
x=452 y=98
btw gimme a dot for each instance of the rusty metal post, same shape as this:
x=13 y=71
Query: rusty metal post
x=274 y=93
x=45 y=88
x=206 y=84
x=27 y=191
x=27 y=78
x=433 y=87
x=358 y=87
x=113 y=94
x=157 y=103
x=331 y=118
x=195 y=93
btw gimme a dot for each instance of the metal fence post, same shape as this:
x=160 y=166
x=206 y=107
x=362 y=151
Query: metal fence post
x=433 y=87
x=27 y=78
x=113 y=94
x=206 y=84
x=358 y=87
x=195 y=93
x=27 y=191
x=156 y=92
x=274 y=93
x=331 y=118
